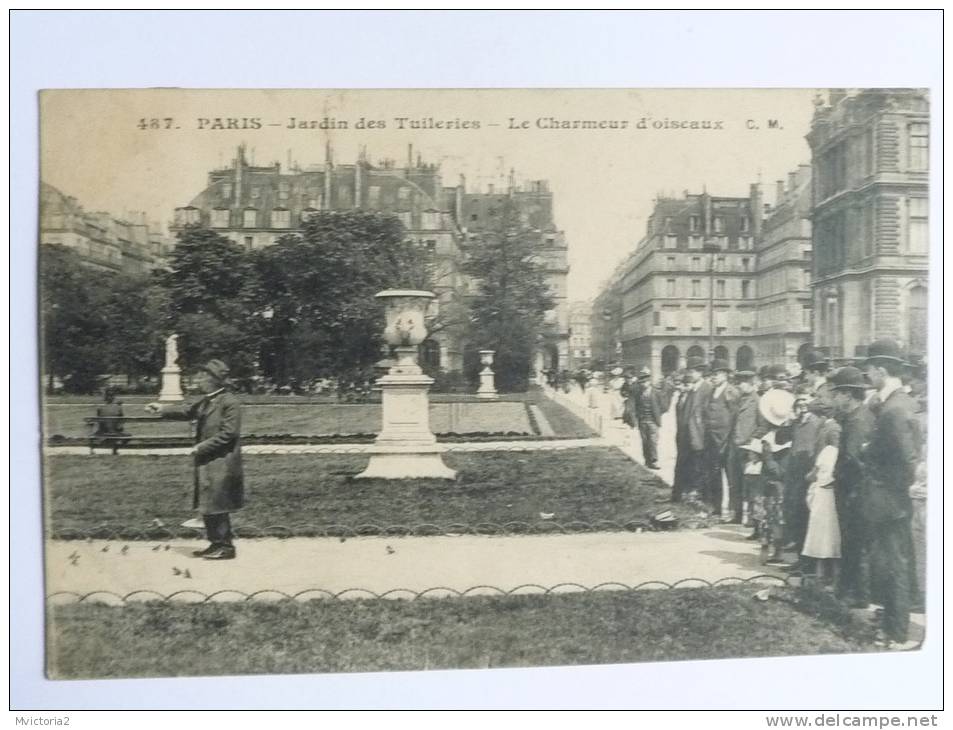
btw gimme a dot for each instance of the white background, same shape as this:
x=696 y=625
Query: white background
x=455 y=49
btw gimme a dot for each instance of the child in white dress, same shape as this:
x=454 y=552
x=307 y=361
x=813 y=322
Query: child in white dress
x=823 y=540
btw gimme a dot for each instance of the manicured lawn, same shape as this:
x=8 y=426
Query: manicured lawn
x=290 y=415
x=309 y=492
x=162 y=639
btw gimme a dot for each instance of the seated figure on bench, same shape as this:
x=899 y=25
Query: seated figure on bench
x=111 y=429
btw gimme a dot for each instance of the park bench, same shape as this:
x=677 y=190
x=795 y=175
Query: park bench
x=120 y=439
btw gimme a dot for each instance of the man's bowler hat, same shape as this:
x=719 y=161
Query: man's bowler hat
x=885 y=349
x=848 y=377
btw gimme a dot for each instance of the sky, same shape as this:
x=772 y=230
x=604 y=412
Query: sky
x=604 y=180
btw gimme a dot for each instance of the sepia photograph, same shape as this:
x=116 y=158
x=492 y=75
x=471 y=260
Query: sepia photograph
x=356 y=380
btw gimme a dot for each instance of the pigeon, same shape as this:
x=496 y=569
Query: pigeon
x=74 y=561
x=176 y=571
x=166 y=547
x=125 y=549
x=105 y=549
x=156 y=548
x=186 y=574
x=390 y=550
x=73 y=555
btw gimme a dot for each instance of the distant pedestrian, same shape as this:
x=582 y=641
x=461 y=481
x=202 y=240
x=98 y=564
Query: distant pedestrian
x=747 y=420
x=218 y=475
x=648 y=415
x=719 y=414
x=690 y=436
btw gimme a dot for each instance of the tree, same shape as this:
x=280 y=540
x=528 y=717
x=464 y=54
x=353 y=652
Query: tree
x=72 y=319
x=318 y=289
x=212 y=289
x=508 y=311
x=134 y=309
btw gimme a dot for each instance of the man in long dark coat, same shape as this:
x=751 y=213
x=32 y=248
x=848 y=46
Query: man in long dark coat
x=890 y=462
x=690 y=432
x=219 y=486
x=720 y=410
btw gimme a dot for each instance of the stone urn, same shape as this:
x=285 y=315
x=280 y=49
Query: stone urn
x=406 y=447
x=405 y=311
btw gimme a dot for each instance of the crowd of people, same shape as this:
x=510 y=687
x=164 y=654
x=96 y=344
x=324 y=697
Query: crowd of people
x=820 y=462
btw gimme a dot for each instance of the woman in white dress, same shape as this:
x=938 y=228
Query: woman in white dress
x=823 y=540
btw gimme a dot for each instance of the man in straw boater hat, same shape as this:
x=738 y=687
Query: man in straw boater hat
x=218 y=475
x=848 y=390
x=690 y=431
x=647 y=406
x=719 y=418
x=890 y=467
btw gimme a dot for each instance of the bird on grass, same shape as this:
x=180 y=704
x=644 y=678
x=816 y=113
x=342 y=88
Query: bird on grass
x=125 y=549
x=156 y=548
x=176 y=571
x=105 y=549
x=390 y=550
x=186 y=574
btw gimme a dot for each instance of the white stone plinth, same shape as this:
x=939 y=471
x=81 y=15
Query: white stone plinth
x=171 y=391
x=487 y=389
x=406 y=448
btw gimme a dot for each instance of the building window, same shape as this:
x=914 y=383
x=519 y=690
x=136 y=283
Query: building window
x=670 y=288
x=374 y=196
x=720 y=264
x=656 y=319
x=746 y=264
x=255 y=192
x=403 y=195
x=693 y=223
x=281 y=218
x=696 y=287
x=226 y=190
x=719 y=224
x=917 y=324
x=806 y=279
x=249 y=243
x=919 y=147
x=745 y=222
x=344 y=195
x=283 y=190
x=695 y=242
x=250 y=219
x=696 y=263
x=220 y=218
x=869 y=151
x=671 y=262
x=745 y=243
x=668 y=222
x=917 y=229
x=696 y=319
x=720 y=288
x=806 y=316
x=745 y=288
x=671 y=319
x=671 y=242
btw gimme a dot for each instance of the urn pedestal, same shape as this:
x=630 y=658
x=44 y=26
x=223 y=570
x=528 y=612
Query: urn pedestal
x=487 y=389
x=406 y=448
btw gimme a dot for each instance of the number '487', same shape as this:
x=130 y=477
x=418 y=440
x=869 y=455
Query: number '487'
x=155 y=123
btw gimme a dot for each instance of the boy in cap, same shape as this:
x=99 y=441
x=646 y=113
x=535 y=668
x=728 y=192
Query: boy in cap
x=648 y=414
x=218 y=475
x=848 y=389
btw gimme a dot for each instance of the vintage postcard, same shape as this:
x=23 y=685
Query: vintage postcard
x=358 y=380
